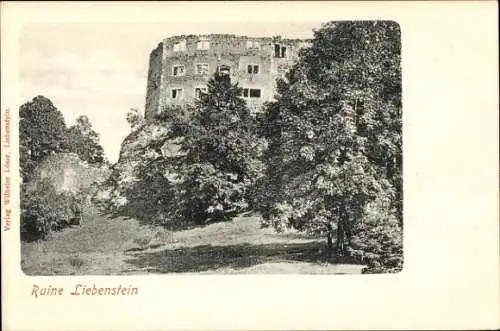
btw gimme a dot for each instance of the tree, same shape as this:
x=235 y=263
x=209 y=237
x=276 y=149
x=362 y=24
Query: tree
x=370 y=79
x=82 y=140
x=221 y=155
x=135 y=119
x=41 y=133
x=335 y=132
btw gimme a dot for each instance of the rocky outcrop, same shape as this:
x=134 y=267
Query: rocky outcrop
x=148 y=143
x=67 y=173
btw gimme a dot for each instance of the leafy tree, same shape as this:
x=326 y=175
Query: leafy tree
x=82 y=140
x=335 y=133
x=221 y=155
x=41 y=133
x=368 y=79
x=135 y=119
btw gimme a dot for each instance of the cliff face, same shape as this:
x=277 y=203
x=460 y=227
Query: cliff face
x=67 y=173
x=139 y=149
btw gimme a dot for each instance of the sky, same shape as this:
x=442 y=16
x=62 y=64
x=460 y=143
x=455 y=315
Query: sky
x=100 y=69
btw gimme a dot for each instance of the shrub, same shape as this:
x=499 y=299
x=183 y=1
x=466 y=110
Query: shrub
x=207 y=195
x=44 y=210
x=378 y=241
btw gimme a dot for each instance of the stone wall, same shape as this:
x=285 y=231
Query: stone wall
x=223 y=50
x=67 y=173
x=154 y=86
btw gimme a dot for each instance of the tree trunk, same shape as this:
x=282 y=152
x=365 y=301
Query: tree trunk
x=329 y=204
x=343 y=232
x=340 y=238
x=329 y=244
x=348 y=231
x=329 y=247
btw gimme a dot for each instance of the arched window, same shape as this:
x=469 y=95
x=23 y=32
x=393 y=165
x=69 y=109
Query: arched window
x=224 y=69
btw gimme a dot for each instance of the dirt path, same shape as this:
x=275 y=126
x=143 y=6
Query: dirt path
x=117 y=246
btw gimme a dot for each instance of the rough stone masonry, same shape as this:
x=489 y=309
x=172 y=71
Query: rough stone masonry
x=180 y=67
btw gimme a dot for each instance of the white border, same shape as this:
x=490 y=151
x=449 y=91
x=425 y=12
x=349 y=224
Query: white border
x=450 y=278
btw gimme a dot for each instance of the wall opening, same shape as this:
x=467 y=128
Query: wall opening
x=253 y=69
x=251 y=93
x=203 y=45
x=199 y=92
x=176 y=93
x=279 y=51
x=202 y=68
x=224 y=69
x=178 y=70
x=253 y=44
x=180 y=46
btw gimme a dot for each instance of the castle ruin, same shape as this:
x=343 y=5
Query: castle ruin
x=180 y=67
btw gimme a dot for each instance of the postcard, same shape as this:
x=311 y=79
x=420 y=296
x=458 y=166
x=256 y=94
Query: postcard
x=250 y=165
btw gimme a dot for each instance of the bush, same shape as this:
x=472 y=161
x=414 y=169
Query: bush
x=44 y=210
x=378 y=241
x=207 y=195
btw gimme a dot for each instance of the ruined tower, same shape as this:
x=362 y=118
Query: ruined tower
x=180 y=67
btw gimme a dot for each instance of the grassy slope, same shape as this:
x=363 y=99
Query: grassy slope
x=105 y=246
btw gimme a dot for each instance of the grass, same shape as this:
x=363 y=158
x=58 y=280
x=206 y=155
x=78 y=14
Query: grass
x=76 y=262
x=115 y=246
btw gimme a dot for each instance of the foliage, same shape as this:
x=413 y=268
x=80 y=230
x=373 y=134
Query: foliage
x=207 y=195
x=82 y=140
x=44 y=210
x=221 y=155
x=44 y=145
x=41 y=133
x=135 y=119
x=201 y=171
x=172 y=114
x=152 y=194
x=378 y=240
x=368 y=78
x=335 y=132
